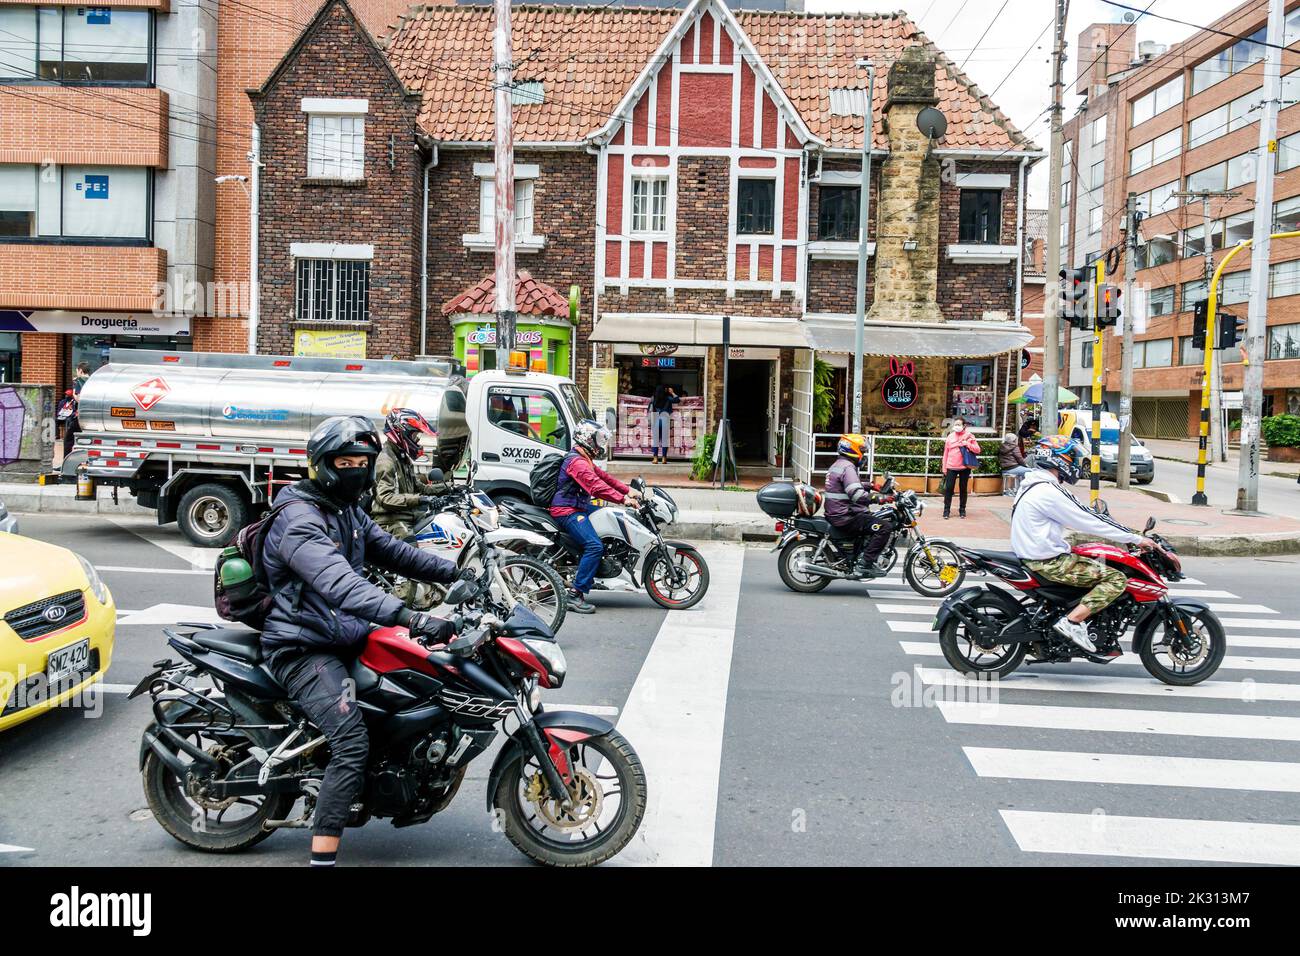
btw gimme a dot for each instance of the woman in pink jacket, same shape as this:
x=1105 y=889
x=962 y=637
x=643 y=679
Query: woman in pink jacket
x=955 y=469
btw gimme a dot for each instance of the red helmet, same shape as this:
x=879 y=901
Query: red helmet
x=808 y=500
x=403 y=427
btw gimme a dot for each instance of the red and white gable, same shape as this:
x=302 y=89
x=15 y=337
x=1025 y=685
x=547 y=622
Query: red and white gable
x=706 y=92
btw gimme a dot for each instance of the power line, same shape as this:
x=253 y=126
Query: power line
x=984 y=34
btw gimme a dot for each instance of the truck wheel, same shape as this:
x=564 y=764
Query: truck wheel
x=210 y=515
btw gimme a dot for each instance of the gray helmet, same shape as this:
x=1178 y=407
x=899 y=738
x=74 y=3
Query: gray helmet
x=341 y=435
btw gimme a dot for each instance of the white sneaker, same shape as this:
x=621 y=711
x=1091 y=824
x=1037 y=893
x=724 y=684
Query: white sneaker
x=1076 y=632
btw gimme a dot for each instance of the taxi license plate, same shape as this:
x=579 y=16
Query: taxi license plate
x=66 y=661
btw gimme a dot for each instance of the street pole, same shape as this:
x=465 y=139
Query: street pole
x=1100 y=278
x=1051 y=300
x=1252 y=387
x=1126 y=351
x=503 y=174
x=254 y=214
x=864 y=217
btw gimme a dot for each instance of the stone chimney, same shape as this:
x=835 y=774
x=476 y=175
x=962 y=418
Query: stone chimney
x=1103 y=50
x=908 y=204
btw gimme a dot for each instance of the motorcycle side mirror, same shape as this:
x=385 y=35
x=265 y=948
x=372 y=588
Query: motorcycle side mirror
x=1151 y=523
x=637 y=484
x=437 y=476
x=460 y=592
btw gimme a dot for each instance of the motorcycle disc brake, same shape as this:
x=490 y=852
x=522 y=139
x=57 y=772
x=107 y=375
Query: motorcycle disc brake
x=584 y=791
x=1191 y=655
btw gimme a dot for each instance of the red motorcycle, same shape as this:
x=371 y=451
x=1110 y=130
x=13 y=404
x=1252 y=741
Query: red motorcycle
x=990 y=630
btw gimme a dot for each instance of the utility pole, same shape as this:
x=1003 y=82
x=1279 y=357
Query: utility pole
x=503 y=174
x=864 y=217
x=1126 y=350
x=1098 y=329
x=1051 y=301
x=1252 y=388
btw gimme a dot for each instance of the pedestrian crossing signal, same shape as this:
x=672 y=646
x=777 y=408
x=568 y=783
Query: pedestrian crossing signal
x=1108 y=308
x=1230 y=330
x=1074 y=297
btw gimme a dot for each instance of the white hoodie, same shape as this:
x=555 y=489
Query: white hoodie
x=1042 y=512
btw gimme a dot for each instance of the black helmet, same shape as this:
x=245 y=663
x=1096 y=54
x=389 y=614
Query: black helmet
x=341 y=435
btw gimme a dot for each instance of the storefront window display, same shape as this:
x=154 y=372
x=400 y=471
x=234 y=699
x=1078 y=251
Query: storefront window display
x=11 y=357
x=638 y=377
x=94 y=349
x=972 y=393
x=476 y=343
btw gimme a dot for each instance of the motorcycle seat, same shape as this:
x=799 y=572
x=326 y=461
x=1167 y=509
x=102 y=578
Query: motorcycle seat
x=822 y=526
x=531 y=511
x=233 y=642
x=1002 y=557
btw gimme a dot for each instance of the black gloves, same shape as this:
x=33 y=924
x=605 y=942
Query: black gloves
x=467 y=574
x=432 y=502
x=425 y=627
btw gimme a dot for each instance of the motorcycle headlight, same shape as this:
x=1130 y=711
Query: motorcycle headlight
x=97 y=586
x=918 y=507
x=550 y=653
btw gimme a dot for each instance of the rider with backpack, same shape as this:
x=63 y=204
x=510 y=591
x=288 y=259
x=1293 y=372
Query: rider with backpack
x=317 y=542
x=579 y=481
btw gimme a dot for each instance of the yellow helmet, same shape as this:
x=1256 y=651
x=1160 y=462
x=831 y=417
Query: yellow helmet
x=854 y=446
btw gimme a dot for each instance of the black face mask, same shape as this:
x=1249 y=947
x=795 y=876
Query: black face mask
x=350 y=485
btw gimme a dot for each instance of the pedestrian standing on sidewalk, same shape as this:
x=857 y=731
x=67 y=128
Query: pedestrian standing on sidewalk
x=959 y=458
x=72 y=424
x=661 y=410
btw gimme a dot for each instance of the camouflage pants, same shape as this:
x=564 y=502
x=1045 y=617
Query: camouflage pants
x=404 y=592
x=1106 y=583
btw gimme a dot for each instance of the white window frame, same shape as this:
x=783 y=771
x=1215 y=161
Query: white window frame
x=336 y=138
x=1095 y=213
x=527 y=238
x=643 y=221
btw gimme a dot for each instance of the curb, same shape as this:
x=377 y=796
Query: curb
x=59 y=499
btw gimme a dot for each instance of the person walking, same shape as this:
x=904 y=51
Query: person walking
x=959 y=458
x=661 y=410
x=72 y=424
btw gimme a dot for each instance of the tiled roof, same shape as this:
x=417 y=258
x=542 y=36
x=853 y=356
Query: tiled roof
x=588 y=57
x=531 y=298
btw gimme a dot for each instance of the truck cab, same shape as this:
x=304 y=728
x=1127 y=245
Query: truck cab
x=517 y=417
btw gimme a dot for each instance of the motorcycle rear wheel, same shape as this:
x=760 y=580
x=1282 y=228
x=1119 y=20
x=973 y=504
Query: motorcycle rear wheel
x=180 y=814
x=537 y=587
x=791 y=576
x=526 y=825
x=1156 y=657
x=966 y=657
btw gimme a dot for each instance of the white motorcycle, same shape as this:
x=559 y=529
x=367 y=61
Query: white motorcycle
x=637 y=555
x=467 y=532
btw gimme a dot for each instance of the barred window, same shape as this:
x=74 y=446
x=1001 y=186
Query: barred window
x=336 y=146
x=333 y=290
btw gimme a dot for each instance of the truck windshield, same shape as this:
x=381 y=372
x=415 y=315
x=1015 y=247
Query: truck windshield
x=577 y=404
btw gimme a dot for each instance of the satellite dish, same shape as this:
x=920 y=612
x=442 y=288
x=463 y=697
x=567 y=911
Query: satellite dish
x=1129 y=16
x=931 y=122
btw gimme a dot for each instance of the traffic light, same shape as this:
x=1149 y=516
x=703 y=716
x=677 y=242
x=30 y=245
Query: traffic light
x=1230 y=330
x=1200 y=318
x=1108 y=309
x=1074 y=297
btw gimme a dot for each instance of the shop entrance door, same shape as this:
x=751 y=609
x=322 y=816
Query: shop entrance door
x=747 y=408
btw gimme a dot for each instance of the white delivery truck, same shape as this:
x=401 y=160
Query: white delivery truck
x=207 y=439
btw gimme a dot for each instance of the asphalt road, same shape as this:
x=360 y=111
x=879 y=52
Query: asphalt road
x=776 y=728
x=1279 y=496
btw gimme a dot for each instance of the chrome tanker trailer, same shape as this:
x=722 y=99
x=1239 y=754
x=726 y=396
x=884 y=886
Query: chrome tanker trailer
x=207 y=439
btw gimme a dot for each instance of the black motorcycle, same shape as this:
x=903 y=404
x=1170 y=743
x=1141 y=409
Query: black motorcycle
x=814 y=552
x=228 y=755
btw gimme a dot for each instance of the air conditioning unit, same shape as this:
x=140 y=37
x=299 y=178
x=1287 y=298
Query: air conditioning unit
x=1150 y=49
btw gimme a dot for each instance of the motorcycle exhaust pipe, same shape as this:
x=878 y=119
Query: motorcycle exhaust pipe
x=169 y=759
x=807 y=568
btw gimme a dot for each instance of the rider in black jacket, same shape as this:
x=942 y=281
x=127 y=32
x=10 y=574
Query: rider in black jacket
x=324 y=608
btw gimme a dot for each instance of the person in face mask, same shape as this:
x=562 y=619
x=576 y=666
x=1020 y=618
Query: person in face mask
x=314 y=555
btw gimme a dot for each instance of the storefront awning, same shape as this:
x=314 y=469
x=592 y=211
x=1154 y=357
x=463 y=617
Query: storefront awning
x=929 y=341
x=668 y=329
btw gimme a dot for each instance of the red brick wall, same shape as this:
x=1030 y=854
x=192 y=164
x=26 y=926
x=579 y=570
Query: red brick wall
x=968 y=291
x=42 y=358
x=703 y=185
x=105 y=278
x=60 y=124
x=381 y=210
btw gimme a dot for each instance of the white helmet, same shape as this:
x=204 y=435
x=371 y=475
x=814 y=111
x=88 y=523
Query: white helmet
x=594 y=437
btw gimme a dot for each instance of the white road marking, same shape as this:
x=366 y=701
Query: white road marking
x=171 y=614
x=675 y=717
x=905 y=609
x=1136 y=769
x=1234 y=640
x=1137 y=686
x=1241 y=609
x=10 y=848
x=1200 y=593
x=108 y=567
x=909 y=597
x=1218 y=841
x=205 y=558
x=1230 y=662
x=1119 y=720
x=911 y=627
x=114 y=688
x=1230 y=622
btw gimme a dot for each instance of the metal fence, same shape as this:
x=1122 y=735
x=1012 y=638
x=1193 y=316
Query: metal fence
x=898 y=454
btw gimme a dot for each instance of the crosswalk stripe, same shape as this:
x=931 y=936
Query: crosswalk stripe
x=1120 y=720
x=1136 y=769
x=905 y=609
x=920 y=598
x=1241 y=609
x=1234 y=640
x=1231 y=622
x=910 y=627
x=1097 y=834
x=1230 y=662
x=1200 y=593
x=1136 y=686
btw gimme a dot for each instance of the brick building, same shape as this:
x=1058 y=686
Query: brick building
x=676 y=166
x=1156 y=122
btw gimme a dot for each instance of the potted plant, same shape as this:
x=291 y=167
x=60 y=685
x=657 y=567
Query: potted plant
x=1282 y=432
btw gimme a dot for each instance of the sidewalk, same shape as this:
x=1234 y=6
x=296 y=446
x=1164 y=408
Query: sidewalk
x=1186 y=450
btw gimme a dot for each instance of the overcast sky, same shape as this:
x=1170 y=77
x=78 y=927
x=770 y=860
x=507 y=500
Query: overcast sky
x=956 y=26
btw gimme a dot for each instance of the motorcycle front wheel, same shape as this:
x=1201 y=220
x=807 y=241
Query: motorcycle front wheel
x=1186 y=661
x=538 y=588
x=966 y=656
x=608 y=800
x=936 y=574
x=676 y=577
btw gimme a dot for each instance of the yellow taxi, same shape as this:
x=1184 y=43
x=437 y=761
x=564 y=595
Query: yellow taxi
x=57 y=621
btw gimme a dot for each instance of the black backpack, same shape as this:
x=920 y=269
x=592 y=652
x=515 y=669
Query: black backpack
x=544 y=479
x=250 y=601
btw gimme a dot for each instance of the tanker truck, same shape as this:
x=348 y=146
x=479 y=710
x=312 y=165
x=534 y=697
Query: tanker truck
x=208 y=439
